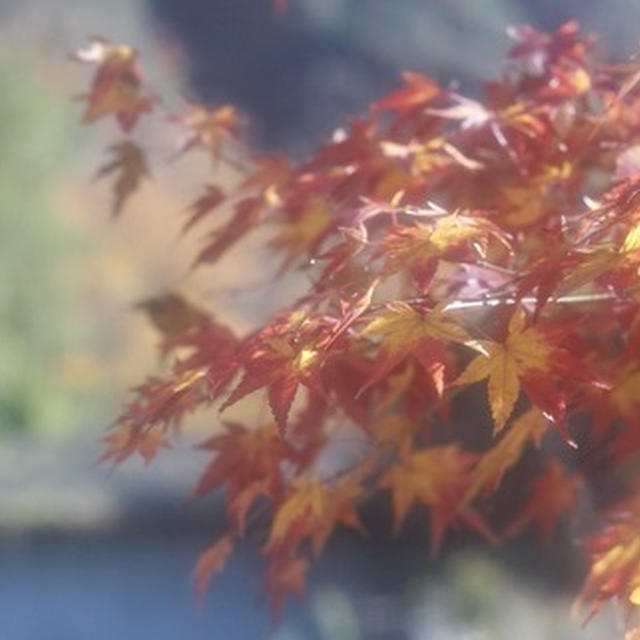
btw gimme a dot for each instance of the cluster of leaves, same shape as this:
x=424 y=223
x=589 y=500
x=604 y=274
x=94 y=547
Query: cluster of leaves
x=449 y=243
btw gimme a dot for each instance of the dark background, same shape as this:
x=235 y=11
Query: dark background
x=301 y=75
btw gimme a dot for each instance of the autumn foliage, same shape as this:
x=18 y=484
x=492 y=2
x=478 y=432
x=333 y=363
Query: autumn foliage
x=450 y=245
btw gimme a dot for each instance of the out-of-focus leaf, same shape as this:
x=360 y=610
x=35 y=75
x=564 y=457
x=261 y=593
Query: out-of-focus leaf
x=129 y=166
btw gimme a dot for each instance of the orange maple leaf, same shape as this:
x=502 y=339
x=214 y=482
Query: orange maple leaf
x=420 y=90
x=553 y=495
x=285 y=575
x=210 y=562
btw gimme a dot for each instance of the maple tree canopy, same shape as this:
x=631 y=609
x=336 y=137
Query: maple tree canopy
x=448 y=244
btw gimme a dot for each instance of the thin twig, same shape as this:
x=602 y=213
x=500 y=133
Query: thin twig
x=585 y=298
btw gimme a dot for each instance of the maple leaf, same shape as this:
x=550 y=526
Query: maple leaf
x=417 y=389
x=525 y=351
x=173 y=315
x=280 y=367
x=488 y=473
x=129 y=165
x=117 y=87
x=341 y=381
x=406 y=330
x=525 y=206
x=244 y=457
x=419 y=248
x=206 y=347
x=339 y=256
x=615 y=559
x=208 y=128
x=284 y=576
x=207 y=202
x=553 y=65
x=553 y=495
x=306 y=230
x=592 y=267
x=352 y=309
x=239 y=503
x=436 y=477
x=426 y=158
x=157 y=403
x=397 y=430
x=541 y=51
x=420 y=91
x=623 y=402
x=210 y=562
x=269 y=175
x=524 y=118
x=123 y=442
x=547 y=274
x=518 y=230
x=280 y=358
x=247 y=214
x=314 y=509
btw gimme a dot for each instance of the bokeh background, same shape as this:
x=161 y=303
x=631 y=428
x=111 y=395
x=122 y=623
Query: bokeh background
x=87 y=552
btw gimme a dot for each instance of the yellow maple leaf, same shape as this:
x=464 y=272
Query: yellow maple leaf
x=615 y=562
x=430 y=156
x=316 y=508
x=526 y=204
x=488 y=473
x=524 y=350
x=422 y=242
x=405 y=330
x=402 y=327
x=435 y=477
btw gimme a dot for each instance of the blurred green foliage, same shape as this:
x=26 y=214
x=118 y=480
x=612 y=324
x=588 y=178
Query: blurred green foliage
x=34 y=140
